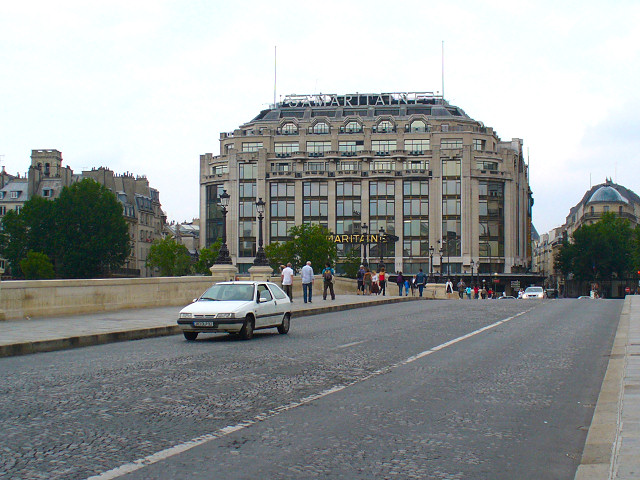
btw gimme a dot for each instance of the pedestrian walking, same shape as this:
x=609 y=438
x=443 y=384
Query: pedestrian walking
x=287 y=280
x=468 y=292
x=461 y=288
x=400 y=282
x=360 y=280
x=306 y=275
x=367 y=281
x=382 y=281
x=328 y=277
x=420 y=281
x=448 y=286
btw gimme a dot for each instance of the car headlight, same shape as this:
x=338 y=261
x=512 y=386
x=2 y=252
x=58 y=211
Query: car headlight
x=226 y=315
x=186 y=315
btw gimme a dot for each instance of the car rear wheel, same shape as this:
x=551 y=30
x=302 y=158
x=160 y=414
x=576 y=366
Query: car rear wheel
x=191 y=336
x=246 y=333
x=286 y=322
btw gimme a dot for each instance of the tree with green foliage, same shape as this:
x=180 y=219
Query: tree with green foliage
x=37 y=266
x=92 y=236
x=82 y=232
x=598 y=251
x=207 y=258
x=352 y=262
x=308 y=242
x=170 y=257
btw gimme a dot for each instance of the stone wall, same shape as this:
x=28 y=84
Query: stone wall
x=45 y=298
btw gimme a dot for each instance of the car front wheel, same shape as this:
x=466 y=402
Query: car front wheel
x=246 y=333
x=191 y=336
x=286 y=322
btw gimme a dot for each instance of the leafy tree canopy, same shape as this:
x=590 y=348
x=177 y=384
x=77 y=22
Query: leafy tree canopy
x=207 y=258
x=599 y=250
x=352 y=263
x=82 y=232
x=170 y=257
x=37 y=266
x=308 y=242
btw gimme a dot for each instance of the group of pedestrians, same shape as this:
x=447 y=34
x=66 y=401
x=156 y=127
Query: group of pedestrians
x=308 y=277
x=476 y=292
x=371 y=283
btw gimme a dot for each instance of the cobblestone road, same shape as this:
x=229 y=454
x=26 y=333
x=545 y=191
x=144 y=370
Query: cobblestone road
x=510 y=402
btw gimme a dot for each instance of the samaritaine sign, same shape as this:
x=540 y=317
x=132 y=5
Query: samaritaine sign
x=360 y=99
x=358 y=238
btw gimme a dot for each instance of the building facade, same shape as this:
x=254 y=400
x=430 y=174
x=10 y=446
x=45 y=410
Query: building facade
x=141 y=203
x=453 y=194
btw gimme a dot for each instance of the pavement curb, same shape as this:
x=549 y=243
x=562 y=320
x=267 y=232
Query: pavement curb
x=602 y=442
x=66 y=343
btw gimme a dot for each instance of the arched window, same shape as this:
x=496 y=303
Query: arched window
x=353 y=127
x=320 y=128
x=289 y=128
x=418 y=126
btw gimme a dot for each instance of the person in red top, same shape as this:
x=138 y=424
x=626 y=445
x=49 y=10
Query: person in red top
x=382 y=280
x=476 y=291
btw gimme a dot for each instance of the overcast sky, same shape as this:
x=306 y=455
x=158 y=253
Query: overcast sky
x=147 y=86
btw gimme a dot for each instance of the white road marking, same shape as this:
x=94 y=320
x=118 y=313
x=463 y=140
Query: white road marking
x=352 y=344
x=183 y=447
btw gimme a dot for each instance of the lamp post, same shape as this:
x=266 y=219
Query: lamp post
x=381 y=264
x=440 y=251
x=448 y=255
x=261 y=258
x=365 y=228
x=431 y=250
x=223 y=254
x=472 y=265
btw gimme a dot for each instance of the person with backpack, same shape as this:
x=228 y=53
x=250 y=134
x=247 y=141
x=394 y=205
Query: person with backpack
x=400 y=282
x=328 y=275
x=420 y=281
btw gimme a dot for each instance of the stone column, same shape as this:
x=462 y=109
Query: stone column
x=223 y=273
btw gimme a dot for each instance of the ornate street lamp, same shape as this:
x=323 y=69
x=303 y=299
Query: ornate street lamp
x=431 y=250
x=223 y=255
x=441 y=251
x=365 y=228
x=261 y=258
x=472 y=265
x=381 y=264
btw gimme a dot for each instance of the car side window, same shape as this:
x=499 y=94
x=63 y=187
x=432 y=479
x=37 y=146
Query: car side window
x=264 y=293
x=277 y=292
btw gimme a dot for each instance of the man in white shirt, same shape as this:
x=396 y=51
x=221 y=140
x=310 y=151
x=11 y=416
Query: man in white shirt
x=287 y=280
x=306 y=275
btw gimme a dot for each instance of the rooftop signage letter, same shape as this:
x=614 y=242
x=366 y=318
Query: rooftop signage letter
x=359 y=99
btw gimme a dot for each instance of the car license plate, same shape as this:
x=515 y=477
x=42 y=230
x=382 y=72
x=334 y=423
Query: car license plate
x=204 y=324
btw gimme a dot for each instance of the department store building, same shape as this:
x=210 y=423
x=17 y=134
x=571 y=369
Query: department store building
x=411 y=164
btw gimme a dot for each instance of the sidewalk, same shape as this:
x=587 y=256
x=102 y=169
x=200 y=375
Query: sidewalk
x=612 y=449
x=20 y=337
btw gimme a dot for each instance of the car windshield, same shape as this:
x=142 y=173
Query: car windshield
x=229 y=292
x=533 y=290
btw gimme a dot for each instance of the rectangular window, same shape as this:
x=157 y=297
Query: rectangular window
x=383 y=146
x=247 y=228
x=3 y=210
x=251 y=146
x=281 y=167
x=479 y=145
x=416 y=206
x=351 y=146
x=451 y=187
x=314 y=189
x=280 y=228
x=417 y=146
x=281 y=189
x=446 y=143
x=46 y=193
x=318 y=147
x=248 y=171
x=248 y=190
x=486 y=165
x=219 y=169
x=379 y=165
x=348 y=189
x=451 y=206
x=315 y=208
x=315 y=166
x=14 y=194
x=348 y=207
x=415 y=188
x=283 y=208
x=451 y=168
x=416 y=165
x=286 y=148
x=349 y=166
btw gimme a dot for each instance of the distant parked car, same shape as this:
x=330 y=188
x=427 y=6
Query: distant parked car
x=237 y=307
x=533 y=292
x=551 y=293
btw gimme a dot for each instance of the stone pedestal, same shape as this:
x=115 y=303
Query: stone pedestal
x=261 y=273
x=223 y=273
x=435 y=291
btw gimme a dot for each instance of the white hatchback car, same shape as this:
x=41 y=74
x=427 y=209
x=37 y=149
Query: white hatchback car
x=533 y=292
x=237 y=307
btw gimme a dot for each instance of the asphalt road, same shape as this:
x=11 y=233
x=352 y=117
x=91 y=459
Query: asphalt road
x=425 y=390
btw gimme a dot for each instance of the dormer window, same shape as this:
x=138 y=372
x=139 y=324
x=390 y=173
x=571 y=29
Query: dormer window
x=385 y=126
x=289 y=128
x=14 y=194
x=352 y=127
x=321 y=128
x=418 y=126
